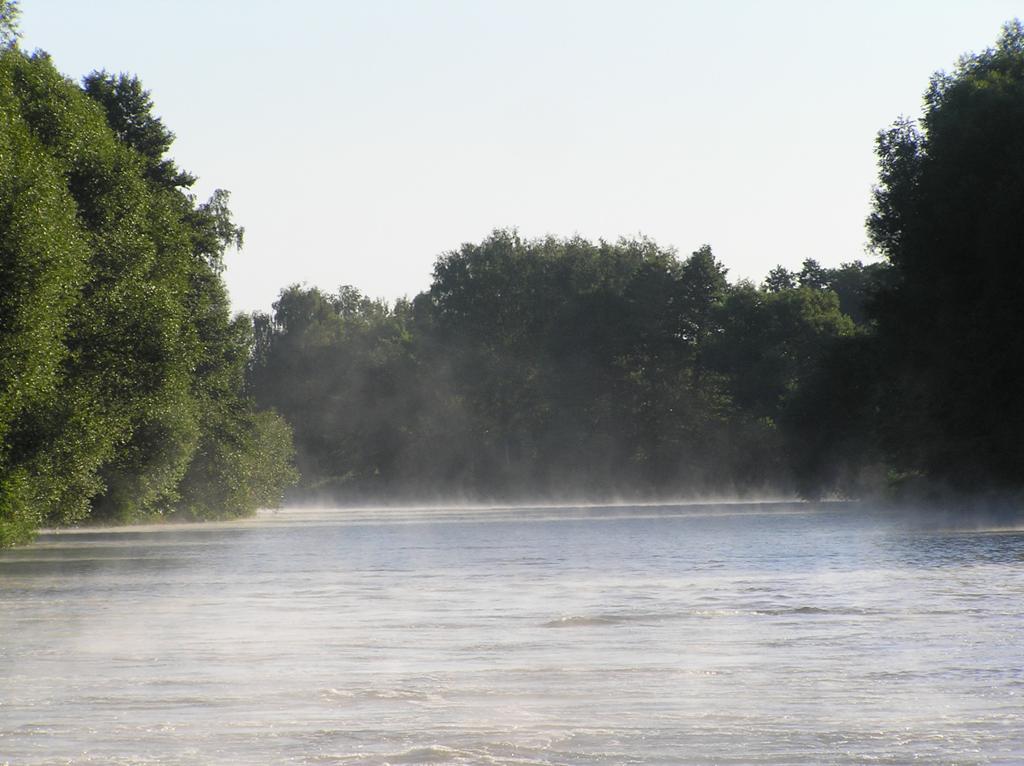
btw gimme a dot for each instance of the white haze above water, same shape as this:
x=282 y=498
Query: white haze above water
x=737 y=634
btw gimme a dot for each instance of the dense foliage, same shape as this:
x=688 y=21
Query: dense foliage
x=567 y=367
x=948 y=216
x=934 y=395
x=528 y=368
x=550 y=368
x=121 y=369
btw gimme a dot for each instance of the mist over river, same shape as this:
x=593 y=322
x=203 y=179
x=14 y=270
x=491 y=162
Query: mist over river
x=725 y=634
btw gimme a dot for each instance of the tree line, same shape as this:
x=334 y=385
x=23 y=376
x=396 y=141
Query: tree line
x=934 y=392
x=567 y=368
x=553 y=368
x=121 y=368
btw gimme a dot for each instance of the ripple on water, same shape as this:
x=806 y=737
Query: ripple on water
x=561 y=636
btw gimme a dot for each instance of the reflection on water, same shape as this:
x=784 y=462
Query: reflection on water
x=645 y=635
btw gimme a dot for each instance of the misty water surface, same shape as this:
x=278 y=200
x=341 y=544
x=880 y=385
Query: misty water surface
x=649 y=635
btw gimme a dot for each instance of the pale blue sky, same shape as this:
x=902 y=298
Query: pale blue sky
x=361 y=139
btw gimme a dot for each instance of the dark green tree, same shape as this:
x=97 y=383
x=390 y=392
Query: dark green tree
x=779 y=278
x=337 y=368
x=951 y=330
x=812 y=274
x=129 y=110
x=556 y=367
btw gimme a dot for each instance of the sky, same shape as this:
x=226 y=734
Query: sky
x=360 y=140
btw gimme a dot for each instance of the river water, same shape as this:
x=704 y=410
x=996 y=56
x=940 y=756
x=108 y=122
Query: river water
x=728 y=634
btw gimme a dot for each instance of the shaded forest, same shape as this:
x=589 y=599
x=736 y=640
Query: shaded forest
x=553 y=368
x=548 y=368
x=566 y=368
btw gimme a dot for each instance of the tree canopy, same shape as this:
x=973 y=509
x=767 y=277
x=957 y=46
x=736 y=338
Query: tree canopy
x=553 y=367
x=929 y=397
x=550 y=367
x=951 y=330
x=622 y=368
x=121 y=369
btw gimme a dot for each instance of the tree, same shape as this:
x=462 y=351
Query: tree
x=129 y=110
x=337 y=368
x=554 y=366
x=856 y=285
x=9 y=15
x=779 y=278
x=120 y=365
x=43 y=259
x=853 y=282
x=946 y=216
x=812 y=275
x=772 y=341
